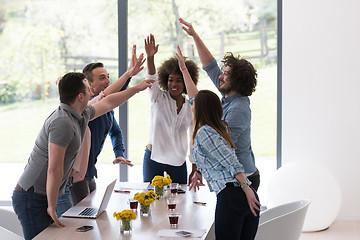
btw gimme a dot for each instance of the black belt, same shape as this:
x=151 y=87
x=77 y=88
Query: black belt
x=17 y=187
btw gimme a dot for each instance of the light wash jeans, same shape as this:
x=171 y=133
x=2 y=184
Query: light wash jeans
x=64 y=202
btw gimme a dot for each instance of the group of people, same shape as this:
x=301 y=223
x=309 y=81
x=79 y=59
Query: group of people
x=61 y=168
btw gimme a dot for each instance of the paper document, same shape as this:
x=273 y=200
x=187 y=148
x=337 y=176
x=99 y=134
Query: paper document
x=132 y=185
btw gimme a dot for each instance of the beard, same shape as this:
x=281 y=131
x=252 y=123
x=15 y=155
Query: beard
x=224 y=89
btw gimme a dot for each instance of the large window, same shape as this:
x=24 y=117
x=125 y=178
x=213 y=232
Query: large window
x=244 y=27
x=45 y=39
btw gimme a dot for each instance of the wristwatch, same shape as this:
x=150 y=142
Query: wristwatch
x=244 y=185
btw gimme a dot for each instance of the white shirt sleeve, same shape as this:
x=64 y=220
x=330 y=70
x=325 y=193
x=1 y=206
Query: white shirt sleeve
x=154 y=90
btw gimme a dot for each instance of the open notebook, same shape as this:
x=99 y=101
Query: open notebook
x=89 y=212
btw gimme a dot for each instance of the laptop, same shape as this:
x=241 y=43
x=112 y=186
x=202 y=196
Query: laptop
x=90 y=212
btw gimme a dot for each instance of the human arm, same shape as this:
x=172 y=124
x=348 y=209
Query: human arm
x=123 y=161
x=254 y=204
x=151 y=49
x=215 y=158
x=118 y=143
x=189 y=83
x=54 y=175
x=195 y=179
x=135 y=67
x=116 y=99
x=205 y=55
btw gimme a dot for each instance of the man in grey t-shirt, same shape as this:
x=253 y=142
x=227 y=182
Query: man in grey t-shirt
x=34 y=198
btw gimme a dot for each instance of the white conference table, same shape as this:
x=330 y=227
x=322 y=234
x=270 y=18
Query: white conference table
x=193 y=217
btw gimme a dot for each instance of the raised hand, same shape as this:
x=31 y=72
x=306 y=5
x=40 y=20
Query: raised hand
x=150 y=47
x=138 y=65
x=133 y=57
x=188 y=28
x=180 y=58
x=144 y=84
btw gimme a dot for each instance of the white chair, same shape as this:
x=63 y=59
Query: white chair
x=9 y=221
x=283 y=222
x=8 y=235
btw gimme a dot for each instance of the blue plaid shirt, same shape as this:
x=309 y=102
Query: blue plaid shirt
x=215 y=159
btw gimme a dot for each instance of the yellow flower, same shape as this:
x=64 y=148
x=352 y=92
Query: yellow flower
x=145 y=198
x=160 y=181
x=125 y=214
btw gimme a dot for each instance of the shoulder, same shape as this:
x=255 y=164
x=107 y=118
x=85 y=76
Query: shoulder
x=89 y=112
x=239 y=101
x=59 y=118
x=62 y=122
x=205 y=133
x=239 y=105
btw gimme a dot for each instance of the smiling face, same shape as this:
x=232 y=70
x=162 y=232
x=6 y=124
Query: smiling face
x=175 y=84
x=101 y=81
x=225 y=86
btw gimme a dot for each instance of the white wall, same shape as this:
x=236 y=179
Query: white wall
x=321 y=85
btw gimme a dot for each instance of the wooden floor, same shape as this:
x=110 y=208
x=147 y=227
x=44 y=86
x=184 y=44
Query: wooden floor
x=339 y=230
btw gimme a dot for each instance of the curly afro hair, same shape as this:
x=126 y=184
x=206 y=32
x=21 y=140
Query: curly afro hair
x=242 y=74
x=171 y=66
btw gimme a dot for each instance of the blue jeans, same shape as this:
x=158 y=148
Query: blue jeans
x=81 y=189
x=64 y=202
x=178 y=174
x=233 y=218
x=31 y=209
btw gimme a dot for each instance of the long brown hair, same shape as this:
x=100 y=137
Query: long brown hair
x=208 y=111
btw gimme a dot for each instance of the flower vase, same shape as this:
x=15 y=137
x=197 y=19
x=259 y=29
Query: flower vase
x=145 y=210
x=159 y=191
x=125 y=226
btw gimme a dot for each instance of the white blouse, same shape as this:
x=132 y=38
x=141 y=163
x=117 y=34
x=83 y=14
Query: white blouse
x=169 y=131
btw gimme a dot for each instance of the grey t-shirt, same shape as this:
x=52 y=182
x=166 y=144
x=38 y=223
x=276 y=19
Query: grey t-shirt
x=64 y=127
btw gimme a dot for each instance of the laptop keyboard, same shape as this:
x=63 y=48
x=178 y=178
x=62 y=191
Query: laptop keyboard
x=88 y=212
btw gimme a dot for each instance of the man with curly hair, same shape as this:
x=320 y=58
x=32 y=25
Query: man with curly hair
x=171 y=117
x=236 y=82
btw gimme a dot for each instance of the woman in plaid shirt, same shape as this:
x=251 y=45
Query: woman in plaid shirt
x=237 y=207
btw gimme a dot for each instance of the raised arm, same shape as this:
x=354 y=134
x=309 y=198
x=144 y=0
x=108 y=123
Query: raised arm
x=205 y=55
x=151 y=49
x=189 y=83
x=116 y=99
x=135 y=67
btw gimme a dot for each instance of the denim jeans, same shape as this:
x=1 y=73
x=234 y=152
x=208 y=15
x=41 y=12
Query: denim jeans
x=233 y=218
x=255 y=180
x=178 y=174
x=64 y=202
x=81 y=189
x=31 y=209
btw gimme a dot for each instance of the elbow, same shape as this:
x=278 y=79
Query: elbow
x=56 y=172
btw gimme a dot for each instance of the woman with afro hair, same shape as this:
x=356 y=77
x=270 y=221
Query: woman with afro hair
x=171 y=115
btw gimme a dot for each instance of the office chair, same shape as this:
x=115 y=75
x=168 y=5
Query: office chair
x=283 y=222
